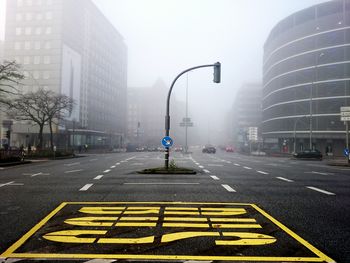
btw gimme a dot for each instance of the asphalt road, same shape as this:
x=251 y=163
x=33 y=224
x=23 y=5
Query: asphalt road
x=291 y=198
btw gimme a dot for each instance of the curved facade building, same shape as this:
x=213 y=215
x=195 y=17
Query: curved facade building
x=306 y=79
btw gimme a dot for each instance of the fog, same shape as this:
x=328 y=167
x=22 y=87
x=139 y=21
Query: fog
x=164 y=37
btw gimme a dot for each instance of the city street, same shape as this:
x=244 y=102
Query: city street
x=289 y=198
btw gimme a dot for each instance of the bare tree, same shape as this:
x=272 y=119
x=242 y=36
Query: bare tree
x=10 y=76
x=30 y=107
x=57 y=107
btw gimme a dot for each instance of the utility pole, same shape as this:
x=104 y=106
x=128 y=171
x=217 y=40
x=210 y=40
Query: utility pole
x=217 y=79
x=186 y=125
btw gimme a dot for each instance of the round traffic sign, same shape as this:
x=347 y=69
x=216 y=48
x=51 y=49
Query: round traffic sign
x=167 y=141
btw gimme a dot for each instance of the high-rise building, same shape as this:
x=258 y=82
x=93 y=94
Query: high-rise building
x=246 y=112
x=71 y=48
x=306 y=79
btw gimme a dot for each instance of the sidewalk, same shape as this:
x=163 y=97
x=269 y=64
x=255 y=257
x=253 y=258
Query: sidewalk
x=338 y=162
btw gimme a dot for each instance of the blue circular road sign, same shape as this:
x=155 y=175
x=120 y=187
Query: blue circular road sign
x=346 y=152
x=167 y=141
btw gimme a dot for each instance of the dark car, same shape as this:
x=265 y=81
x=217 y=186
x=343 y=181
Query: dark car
x=209 y=149
x=309 y=154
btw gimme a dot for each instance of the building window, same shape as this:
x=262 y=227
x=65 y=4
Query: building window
x=37 y=60
x=48 y=15
x=47 y=60
x=26 y=45
x=37 y=45
x=17 y=45
x=18 y=31
x=19 y=17
x=46 y=75
x=26 y=60
x=38 y=31
x=39 y=16
x=48 y=45
x=36 y=74
x=29 y=16
x=28 y=31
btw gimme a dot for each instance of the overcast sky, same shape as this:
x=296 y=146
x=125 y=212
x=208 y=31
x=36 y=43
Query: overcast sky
x=165 y=37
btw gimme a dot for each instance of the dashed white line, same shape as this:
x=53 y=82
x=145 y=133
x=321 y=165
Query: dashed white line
x=215 y=177
x=123 y=161
x=201 y=166
x=320 y=190
x=86 y=187
x=285 y=179
x=98 y=177
x=113 y=166
x=261 y=172
x=106 y=171
x=246 y=167
x=137 y=164
x=1 y=185
x=236 y=164
x=228 y=161
x=91 y=160
x=313 y=172
x=117 y=164
x=71 y=164
x=228 y=188
x=216 y=165
x=206 y=171
x=73 y=171
x=160 y=183
x=33 y=175
x=130 y=158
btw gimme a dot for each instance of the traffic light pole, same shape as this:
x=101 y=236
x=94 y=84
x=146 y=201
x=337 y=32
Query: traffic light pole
x=217 y=71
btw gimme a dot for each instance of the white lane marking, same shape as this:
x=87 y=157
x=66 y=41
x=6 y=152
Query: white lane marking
x=261 y=172
x=106 y=171
x=137 y=164
x=86 y=187
x=71 y=164
x=9 y=183
x=228 y=188
x=98 y=177
x=123 y=161
x=33 y=175
x=130 y=158
x=117 y=164
x=285 y=179
x=216 y=165
x=161 y=183
x=236 y=164
x=228 y=162
x=246 y=167
x=91 y=160
x=206 y=171
x=113 y=166
x=101 y=261
x=73 y=171
x=215 y=177
x=1 y=168
x=201 y=166
x=313 y=172
x=320 y=190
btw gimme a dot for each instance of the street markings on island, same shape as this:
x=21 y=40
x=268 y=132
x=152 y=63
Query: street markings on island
x=228 y=188
x=163 y=231
x=86 y=187
x=320 y=190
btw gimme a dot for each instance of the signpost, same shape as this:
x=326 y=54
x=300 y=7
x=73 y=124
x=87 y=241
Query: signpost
x=167 y=142
x=345 y=117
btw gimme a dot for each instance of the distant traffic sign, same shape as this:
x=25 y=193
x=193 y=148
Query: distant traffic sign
x=167 y=141
x=344 y=108
x=346 y=152
x=345 y=118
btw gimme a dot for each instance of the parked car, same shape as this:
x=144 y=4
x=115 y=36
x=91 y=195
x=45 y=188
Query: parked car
x=309 y=154
x=209 y=149
x=178 y=149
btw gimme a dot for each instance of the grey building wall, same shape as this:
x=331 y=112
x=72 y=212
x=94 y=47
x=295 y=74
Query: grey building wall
x=306 y=77
x=70 y=47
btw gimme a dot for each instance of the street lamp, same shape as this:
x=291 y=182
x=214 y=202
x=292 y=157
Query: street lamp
x=217 y=79
x=315 y=77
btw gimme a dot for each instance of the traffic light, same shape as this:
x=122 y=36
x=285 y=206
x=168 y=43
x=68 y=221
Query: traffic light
x=8 y=134
x=217 y=72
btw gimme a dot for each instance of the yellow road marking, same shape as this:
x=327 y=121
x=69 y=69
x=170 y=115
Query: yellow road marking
x=181 y=208
x=185 y=225
x=180 y=213
x=132 y=218
x=250 y=239
x=232 y=219
x=102 y=210
x=142 y=240
x=24 y=238
x=188 y=219
x=183 y=235
x=91 y=221
x=138 y=224
x=237 y=226
x=169 y=257
x=295 y=236
x=71 y=236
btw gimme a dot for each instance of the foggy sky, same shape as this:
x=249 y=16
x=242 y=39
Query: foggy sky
x=164 y=37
